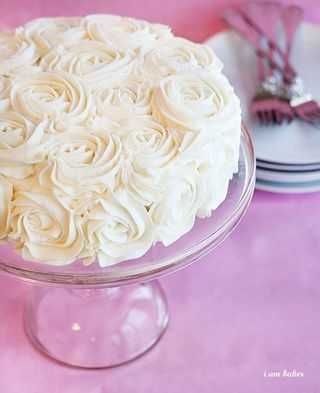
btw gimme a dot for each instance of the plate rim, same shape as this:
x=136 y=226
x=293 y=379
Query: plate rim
x=269 y=186
x=287 y=171
x=291 y=164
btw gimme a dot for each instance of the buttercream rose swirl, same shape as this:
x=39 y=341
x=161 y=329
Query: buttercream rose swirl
x=139 y=183
x=175 y=213
x=203 y=101
x=6 y=194
x=80 y=161
x=178 y=55
x=4 y=93
x=148 y=150
x=125 y=33
x=151 y=146
x=93 y=62
x=129 y=99
x=46 y=33
x=43 y=229
x=16 y=53
x=118 y=228
x=22 y=144
x=56 y=96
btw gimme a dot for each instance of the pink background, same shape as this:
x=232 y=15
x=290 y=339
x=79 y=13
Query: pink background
x=251 y=306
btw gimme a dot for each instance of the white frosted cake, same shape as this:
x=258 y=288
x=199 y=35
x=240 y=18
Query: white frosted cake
x=114 y=135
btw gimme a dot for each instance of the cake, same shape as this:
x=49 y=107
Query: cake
x=114 y=135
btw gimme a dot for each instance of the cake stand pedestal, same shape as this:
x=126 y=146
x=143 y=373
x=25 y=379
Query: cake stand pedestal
x=92 y=317
x=95 y=328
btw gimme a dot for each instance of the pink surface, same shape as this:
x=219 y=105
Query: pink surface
x=250 y=306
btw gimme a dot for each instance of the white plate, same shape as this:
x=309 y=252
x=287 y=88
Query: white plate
x=287 y=177
x=285 y=188
x=296 y=143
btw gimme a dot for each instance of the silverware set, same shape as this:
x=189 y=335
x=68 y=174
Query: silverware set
x=281 y=95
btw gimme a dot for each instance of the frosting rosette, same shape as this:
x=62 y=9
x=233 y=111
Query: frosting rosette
x=175 y=213
x=127 y=100
x=15 y=53
x=178 y=55
x=125 y=33
x=81 y=160
x=4 y=93
x=151 y=146
x=6 y=194
x=148 y=150
x=46 y=33
x=203 y=101
x=22 y=144
x=93 y=62
x=55 y=96
x=118 y=228
x=43 y=229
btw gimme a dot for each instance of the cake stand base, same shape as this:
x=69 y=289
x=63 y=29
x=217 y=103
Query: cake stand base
x=96 y=328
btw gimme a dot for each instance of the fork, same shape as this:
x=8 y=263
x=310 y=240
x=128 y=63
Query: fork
x=267 y=103
x=274 y=106
x=304 y=106
x=255 y=27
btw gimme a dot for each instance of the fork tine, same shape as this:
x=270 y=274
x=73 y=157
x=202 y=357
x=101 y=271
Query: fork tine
x=262 y=117
x=269 y=117
x=259 y=116
x=315 y=124
x=316 y=113
x=313 y=115
x=315 y=119
x=278 y=117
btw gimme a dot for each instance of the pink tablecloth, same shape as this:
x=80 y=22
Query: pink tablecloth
x=251 y=306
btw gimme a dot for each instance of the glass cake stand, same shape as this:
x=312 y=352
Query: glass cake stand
x=92 y=317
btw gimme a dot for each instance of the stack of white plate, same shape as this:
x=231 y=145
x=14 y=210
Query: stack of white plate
x=288 y=156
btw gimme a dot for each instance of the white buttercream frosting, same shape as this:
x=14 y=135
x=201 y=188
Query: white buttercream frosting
x=6 y=194
x=95 y=63
x=127 y=100
x=4 y=93
x=185 y=193
x=178 y=55
x=47 y=33
x=43 y=229
x=114 y=134
x=22 y=144
x=197 y=101
x=118 y=228
x=81 y=160
x=16 y=53
x=56 y=96
x=125 y=33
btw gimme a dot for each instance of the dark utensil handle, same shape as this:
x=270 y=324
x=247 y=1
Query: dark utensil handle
x=290 y=72
x=292 y=17
x=236 y=20
x=266 y=15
